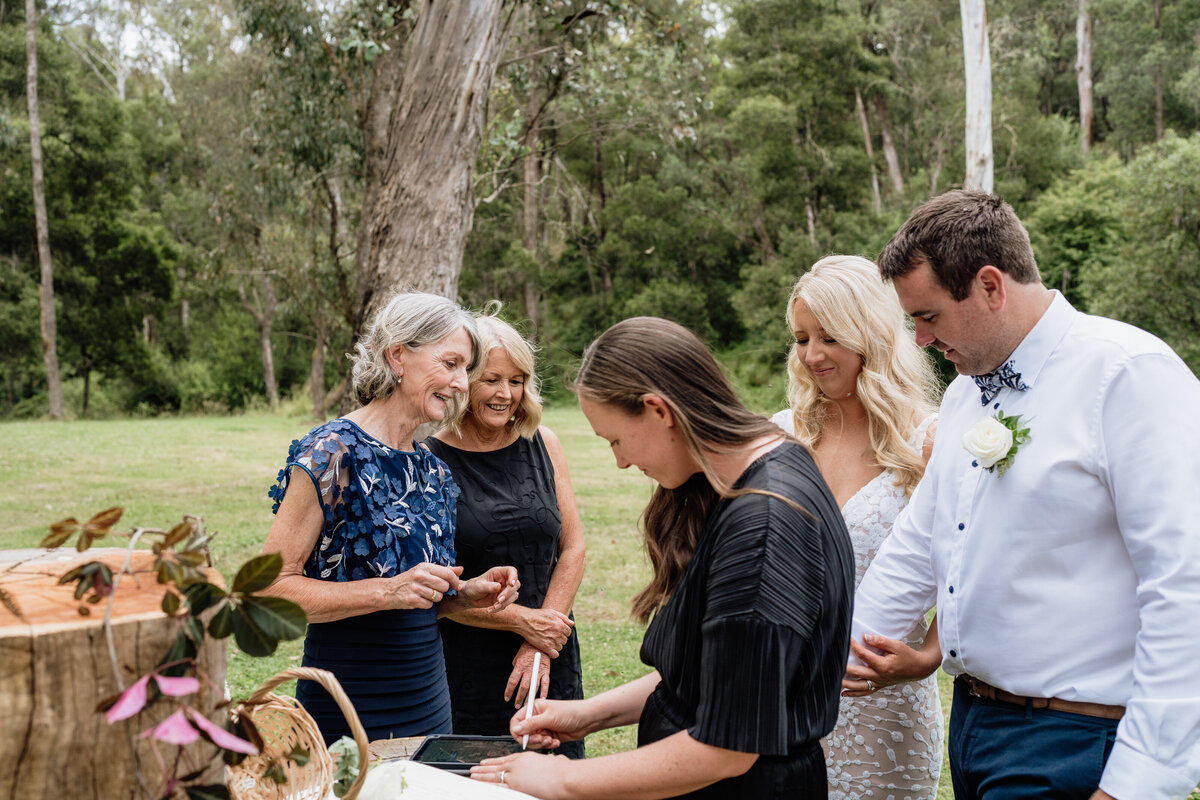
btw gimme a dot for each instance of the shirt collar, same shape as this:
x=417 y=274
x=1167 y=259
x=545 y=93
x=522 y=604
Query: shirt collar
x=1035 y=349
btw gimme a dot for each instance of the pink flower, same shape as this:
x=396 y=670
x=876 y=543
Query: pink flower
x=220 y=736
x=172 y=730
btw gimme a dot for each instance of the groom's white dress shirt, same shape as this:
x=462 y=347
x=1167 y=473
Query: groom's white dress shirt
x=1076 y=573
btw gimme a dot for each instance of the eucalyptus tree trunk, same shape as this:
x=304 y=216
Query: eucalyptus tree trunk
x=978 y=63
x=890 y=157
x=532 y=175
x=49 y=323
x=866 y=130
x=1083 y=73
x=421 y=138
x=261 y=305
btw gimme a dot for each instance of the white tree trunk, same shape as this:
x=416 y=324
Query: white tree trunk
x=418 y=202
x=49 y=322
x=866 y=129
x=978 y=63
x=1083 y=73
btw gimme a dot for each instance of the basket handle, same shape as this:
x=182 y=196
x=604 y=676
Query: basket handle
x=328 y=680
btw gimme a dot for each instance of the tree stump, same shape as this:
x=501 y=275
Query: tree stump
x=55 y=667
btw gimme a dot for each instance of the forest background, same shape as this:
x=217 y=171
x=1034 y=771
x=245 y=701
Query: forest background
x=204 y=176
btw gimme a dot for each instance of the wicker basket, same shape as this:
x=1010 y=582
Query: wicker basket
x=284 y=724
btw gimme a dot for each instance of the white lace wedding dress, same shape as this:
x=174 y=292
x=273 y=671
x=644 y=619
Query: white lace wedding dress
x=887 y=745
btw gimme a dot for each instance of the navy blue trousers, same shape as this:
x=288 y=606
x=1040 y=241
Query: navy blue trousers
x=1001 y=751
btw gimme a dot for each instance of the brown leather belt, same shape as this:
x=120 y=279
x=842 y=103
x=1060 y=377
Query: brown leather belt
x=989 y=692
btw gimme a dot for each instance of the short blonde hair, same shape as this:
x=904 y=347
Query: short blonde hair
x=896 y=385
x=496 y=334
x=413 y=319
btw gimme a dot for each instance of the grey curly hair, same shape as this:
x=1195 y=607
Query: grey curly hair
x=412 y=319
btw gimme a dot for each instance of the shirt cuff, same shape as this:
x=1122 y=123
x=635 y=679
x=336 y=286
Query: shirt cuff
x=1130 y=775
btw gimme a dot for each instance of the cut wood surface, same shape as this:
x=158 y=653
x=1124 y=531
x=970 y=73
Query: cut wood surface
x=55 y=667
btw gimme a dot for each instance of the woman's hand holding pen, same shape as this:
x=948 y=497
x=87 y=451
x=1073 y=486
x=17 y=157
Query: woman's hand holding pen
x=522 y=677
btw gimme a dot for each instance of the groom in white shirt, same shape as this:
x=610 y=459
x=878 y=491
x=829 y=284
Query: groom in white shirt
x=1065 y=561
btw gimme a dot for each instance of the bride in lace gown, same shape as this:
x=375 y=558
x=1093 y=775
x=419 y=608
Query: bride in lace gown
x=861 y=397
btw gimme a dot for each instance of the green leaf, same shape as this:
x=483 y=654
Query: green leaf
x=102 y=523
x=275 y=772
x=258 y=573
x=250 y=638
x=170 y=603
x=202 y=596
x=299 y=755
x=222 y=623
x=213 y=791
x=278 y=618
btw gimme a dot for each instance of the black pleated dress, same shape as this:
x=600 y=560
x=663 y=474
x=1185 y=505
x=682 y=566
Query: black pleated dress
x=752 y=644
x=507 y=516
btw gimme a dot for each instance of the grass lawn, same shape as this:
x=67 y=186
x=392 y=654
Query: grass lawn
x=221 y=467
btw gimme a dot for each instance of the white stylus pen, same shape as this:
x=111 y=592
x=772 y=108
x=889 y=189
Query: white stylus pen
x=533 y=686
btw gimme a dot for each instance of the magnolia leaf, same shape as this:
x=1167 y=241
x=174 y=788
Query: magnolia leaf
x=71 y=575
x=84 y=584
x=170 y=603
x=195 y=630
x=258 y=573
x=222 y=623
x=250 y=638
x=212 y=791
x=129 y=702
x=278 y=618
x=219 y=736
x=179 y=533
x=275 y=772
x=175 y=729
x=59 y=532
x=299 y=755
x=191 y=558
x=102 y=522
x=202 y=596
x=177 y=687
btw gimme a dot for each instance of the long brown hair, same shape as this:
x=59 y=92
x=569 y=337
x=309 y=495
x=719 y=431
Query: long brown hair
x=648 y=355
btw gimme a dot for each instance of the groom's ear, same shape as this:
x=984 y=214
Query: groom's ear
x=989 y=282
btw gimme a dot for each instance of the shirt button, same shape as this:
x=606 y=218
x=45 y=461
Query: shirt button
x=951 y=590
x=954 y=654
x=995 y=405
x=974 y=463
x=961 y=526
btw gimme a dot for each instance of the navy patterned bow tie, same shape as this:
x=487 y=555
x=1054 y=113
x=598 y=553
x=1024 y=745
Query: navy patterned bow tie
x=992 y=382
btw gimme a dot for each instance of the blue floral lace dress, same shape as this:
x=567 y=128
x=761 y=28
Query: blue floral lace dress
x=385 y=512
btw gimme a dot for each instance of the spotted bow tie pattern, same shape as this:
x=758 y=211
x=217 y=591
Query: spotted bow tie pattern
x=992 y=382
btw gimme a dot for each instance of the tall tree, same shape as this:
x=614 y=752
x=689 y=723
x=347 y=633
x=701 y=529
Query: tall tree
x=46 y=292
x=1083 y=73
x=978 y=71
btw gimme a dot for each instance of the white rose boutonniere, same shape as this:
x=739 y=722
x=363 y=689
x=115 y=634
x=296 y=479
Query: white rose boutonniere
x=993 y=441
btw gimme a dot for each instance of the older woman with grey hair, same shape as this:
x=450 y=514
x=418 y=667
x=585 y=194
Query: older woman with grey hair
x=368 y=540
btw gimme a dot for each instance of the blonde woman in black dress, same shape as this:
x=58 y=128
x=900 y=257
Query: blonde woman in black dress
x=517 y=508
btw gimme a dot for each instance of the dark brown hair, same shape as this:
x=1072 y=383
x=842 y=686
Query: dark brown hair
x=957 y=233
x=648 y=355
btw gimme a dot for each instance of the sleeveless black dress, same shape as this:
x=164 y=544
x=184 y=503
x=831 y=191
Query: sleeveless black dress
x=507 y=516
x=752 y=643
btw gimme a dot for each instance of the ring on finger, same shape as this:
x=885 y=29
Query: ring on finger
x=870 y=686
x=433 y=595
x=503 y=772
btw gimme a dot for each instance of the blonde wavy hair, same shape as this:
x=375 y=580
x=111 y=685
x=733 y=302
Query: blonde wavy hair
x=897 y=385
x=496 y=334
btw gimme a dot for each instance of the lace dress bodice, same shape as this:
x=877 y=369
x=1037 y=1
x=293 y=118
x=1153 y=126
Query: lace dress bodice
x=889 y=743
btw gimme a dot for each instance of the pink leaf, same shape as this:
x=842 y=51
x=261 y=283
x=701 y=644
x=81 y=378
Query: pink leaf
x=222 y=737
x=177 y=687
x=131 y=701
x=172 y=730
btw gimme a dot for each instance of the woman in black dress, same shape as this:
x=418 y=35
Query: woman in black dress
x=516 y=508
x=750 y=596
